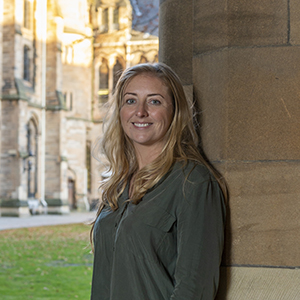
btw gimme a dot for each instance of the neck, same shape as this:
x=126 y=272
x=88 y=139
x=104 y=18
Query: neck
x=146 y=154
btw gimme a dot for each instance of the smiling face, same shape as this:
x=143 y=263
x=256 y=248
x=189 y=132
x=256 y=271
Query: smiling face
x=146 y=112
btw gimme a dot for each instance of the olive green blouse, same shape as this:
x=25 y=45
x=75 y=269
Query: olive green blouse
x=168 y=246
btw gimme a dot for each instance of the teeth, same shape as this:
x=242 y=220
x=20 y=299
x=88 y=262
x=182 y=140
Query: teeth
x=141 y=124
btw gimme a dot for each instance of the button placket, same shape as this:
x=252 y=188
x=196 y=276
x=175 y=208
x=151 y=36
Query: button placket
x=117 y=224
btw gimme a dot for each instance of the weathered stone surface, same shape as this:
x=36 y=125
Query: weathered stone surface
x=259 y=283
x=10 y=161
x=176 y=37
x=219 y=24
x=263 y=225
x=249 y=102
x=14 y=211
x=294 y=22
x=78 y=86
x=53 y=150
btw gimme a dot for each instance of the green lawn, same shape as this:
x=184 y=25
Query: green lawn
x=52 y=262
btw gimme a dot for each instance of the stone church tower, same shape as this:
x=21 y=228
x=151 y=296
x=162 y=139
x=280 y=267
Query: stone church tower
x=241 y=61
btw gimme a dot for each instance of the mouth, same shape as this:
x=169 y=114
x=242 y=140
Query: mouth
x=141 y=125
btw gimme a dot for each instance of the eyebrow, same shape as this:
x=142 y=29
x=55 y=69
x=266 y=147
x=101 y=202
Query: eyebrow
x=149 y=95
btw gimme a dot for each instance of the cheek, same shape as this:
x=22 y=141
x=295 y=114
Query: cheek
x=166 y=117
x=123 y=116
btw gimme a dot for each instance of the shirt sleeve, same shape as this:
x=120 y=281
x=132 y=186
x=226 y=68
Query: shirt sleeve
x=200 y=225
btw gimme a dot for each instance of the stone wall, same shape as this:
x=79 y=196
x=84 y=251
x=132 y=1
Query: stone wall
x=77 y=70
x=8 y=48
x=76 y=143
x=240 y=60
x=9 y=158
x=13 y=190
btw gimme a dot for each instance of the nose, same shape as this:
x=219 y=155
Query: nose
x=141 y=110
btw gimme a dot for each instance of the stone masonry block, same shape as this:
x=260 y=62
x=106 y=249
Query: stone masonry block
x=176 y=37
x=250 y=103
x=246 y=283
x=263 y=221
x=294 y=9
x=219 y=24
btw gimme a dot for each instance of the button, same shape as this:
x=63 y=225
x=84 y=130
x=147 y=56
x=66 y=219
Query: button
x=116 y=225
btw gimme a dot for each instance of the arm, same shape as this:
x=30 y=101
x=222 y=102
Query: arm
x=200 y=224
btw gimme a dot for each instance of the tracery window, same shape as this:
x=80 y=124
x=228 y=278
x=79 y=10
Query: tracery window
x=104 y=26
x=27 y=14
x=143 y=60
x=32 y=159
x=117 y=70
x=116 y=18
x=26 y=63
x=71 y=101
x=103 y=81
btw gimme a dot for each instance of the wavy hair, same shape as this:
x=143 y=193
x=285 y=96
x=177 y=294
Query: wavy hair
x=182 y=140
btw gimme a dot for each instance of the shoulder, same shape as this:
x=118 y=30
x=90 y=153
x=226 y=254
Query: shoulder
x=197 y=190
x=194 y=172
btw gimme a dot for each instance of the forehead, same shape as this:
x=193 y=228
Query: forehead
x=145 y=81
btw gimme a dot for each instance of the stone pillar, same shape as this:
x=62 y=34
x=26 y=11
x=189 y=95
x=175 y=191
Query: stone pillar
x=56 y=189
x=245 y=73
x=176 y=39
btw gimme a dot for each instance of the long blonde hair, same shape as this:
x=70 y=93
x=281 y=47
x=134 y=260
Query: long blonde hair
x=182 y=140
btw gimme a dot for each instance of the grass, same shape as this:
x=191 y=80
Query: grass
x=52 y=262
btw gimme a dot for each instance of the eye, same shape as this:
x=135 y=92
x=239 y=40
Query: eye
x=155 y=102
x=129 y=101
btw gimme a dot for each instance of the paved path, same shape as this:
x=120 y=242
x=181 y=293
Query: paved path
x=45 y=220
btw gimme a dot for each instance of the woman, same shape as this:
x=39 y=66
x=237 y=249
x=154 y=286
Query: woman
x=158 y=234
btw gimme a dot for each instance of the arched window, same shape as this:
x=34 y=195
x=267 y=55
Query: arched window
x=32 y=159
x=26 y=63
x=117 y=70
x=104 y=22
x=143 y=60
x=103 y=81
x=71 y=101
x=116 y=18
x=27 y=14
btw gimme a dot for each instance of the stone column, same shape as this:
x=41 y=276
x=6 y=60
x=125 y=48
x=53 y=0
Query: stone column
x=245 y=75
x=56 y=189
x=176 y=39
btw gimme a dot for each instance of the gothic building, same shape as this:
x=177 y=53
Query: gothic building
x=59 y=62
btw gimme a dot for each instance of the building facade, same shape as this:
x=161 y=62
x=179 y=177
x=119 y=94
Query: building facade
x=55 y=85
x=21 y=102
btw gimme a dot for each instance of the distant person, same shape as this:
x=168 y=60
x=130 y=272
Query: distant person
x=159 y=229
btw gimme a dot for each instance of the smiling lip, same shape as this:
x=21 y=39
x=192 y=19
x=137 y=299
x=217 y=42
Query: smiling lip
x=141 y=125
